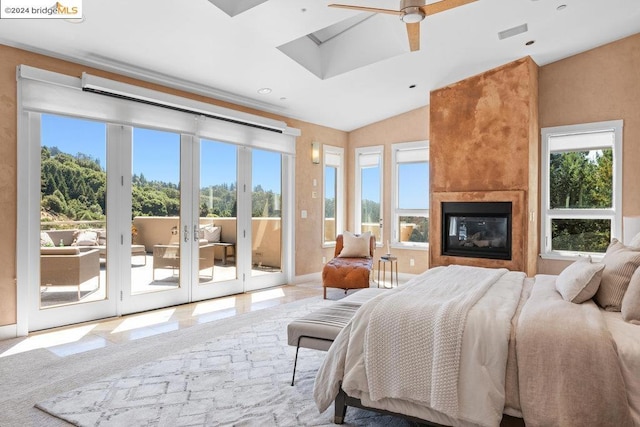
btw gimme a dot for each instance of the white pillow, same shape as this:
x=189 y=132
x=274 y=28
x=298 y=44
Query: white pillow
x=211 y=233
x=635 y=242
x=85 y=238
x=45 y=239
x=579 y=282
x=355 y=246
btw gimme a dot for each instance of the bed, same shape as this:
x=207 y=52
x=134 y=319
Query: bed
x=498 y=343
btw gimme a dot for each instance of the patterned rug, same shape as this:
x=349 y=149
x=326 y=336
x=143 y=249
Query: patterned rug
x=237 y=379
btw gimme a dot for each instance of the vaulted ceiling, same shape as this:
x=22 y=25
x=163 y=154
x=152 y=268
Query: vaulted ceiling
x=335 y=67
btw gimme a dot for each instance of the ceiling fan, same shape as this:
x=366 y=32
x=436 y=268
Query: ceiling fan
x=412 y=12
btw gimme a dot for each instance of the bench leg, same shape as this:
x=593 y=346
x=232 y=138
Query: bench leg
x=325 y=292
x=295 y=362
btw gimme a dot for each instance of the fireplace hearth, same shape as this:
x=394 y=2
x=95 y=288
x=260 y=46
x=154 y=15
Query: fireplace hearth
x=477 y=229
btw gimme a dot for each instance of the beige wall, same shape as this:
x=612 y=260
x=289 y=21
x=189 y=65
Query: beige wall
x=309 y=248
x=308 y=245
x=410 y=126
x=598 y=85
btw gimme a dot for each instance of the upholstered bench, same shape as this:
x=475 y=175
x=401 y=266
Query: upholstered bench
x=318 y=329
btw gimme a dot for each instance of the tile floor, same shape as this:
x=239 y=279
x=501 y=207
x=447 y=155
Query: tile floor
x=88 y=336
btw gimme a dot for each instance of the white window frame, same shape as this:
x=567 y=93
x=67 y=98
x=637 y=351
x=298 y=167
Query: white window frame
x=333 y=156
x=359 y=153
x=396 y=212
x=614 y=214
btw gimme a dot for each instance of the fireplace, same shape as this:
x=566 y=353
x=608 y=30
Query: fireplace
x=477 y=229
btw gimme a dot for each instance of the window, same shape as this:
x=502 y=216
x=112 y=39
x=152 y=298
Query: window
x=410 y=198
x=581 y=188
x=333 y=200
x=368 y=209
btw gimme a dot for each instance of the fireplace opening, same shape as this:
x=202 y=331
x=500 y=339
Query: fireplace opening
x=477 y=229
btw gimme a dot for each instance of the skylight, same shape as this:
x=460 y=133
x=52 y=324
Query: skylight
x=356 y=42
x=325 y=34
x=236 y=7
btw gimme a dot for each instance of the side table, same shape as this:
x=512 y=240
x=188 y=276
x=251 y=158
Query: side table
x=382 y=262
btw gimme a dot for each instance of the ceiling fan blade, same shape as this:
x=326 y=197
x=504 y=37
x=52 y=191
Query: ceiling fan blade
x=441 y=6
x=367 y=9
x=413 y=31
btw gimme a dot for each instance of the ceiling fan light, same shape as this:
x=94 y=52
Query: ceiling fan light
x=412 y=15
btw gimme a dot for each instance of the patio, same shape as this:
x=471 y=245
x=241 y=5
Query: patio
x=142 y=281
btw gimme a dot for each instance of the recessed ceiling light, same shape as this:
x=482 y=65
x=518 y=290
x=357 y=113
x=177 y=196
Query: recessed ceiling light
x=264 y=90
x=561 y=7
x=530 y=42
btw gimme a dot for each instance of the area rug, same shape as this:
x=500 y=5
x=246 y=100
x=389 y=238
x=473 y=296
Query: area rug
x=241 y=378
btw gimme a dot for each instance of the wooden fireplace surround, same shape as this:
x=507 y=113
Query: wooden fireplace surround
x=518 y=224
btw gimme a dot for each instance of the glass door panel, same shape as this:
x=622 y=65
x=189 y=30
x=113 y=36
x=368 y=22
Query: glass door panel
x=266 y=208
x=72 y=285
x=72 y=211
x=218 y=202
x=156 y=229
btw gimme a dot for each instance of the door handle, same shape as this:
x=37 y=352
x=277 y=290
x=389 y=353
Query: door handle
x=186 y=233
x=196 y=233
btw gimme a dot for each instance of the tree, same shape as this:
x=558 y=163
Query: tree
x=581 y=180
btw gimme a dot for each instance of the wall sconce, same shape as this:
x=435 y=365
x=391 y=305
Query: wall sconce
x=315 y=152
x=630 y=228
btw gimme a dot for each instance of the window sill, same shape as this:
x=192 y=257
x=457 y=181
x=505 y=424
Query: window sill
x=410 y=247
x=571 y=256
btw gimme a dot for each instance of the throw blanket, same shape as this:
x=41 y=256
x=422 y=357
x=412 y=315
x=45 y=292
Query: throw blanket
x=425 y=324
x=483 y=354
x=568 y=367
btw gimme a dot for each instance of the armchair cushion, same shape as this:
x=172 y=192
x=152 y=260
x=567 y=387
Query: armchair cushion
x=347 y=273
x=64 y=250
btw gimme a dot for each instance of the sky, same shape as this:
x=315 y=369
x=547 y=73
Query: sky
x=156 y=154
x=411 y=195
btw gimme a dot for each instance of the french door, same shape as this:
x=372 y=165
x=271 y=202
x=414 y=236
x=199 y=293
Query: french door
x=134 y=218
x=242 y=220
x=155 y=210
x=69 y=188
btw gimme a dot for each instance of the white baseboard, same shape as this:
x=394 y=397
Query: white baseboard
x=8 y=331
x=311 y=277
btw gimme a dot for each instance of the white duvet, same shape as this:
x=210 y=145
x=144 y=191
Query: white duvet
x=483 y=354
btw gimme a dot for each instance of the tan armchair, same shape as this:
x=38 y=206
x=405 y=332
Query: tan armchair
x=68 y=266
x=168 y=257
x=348 y=272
